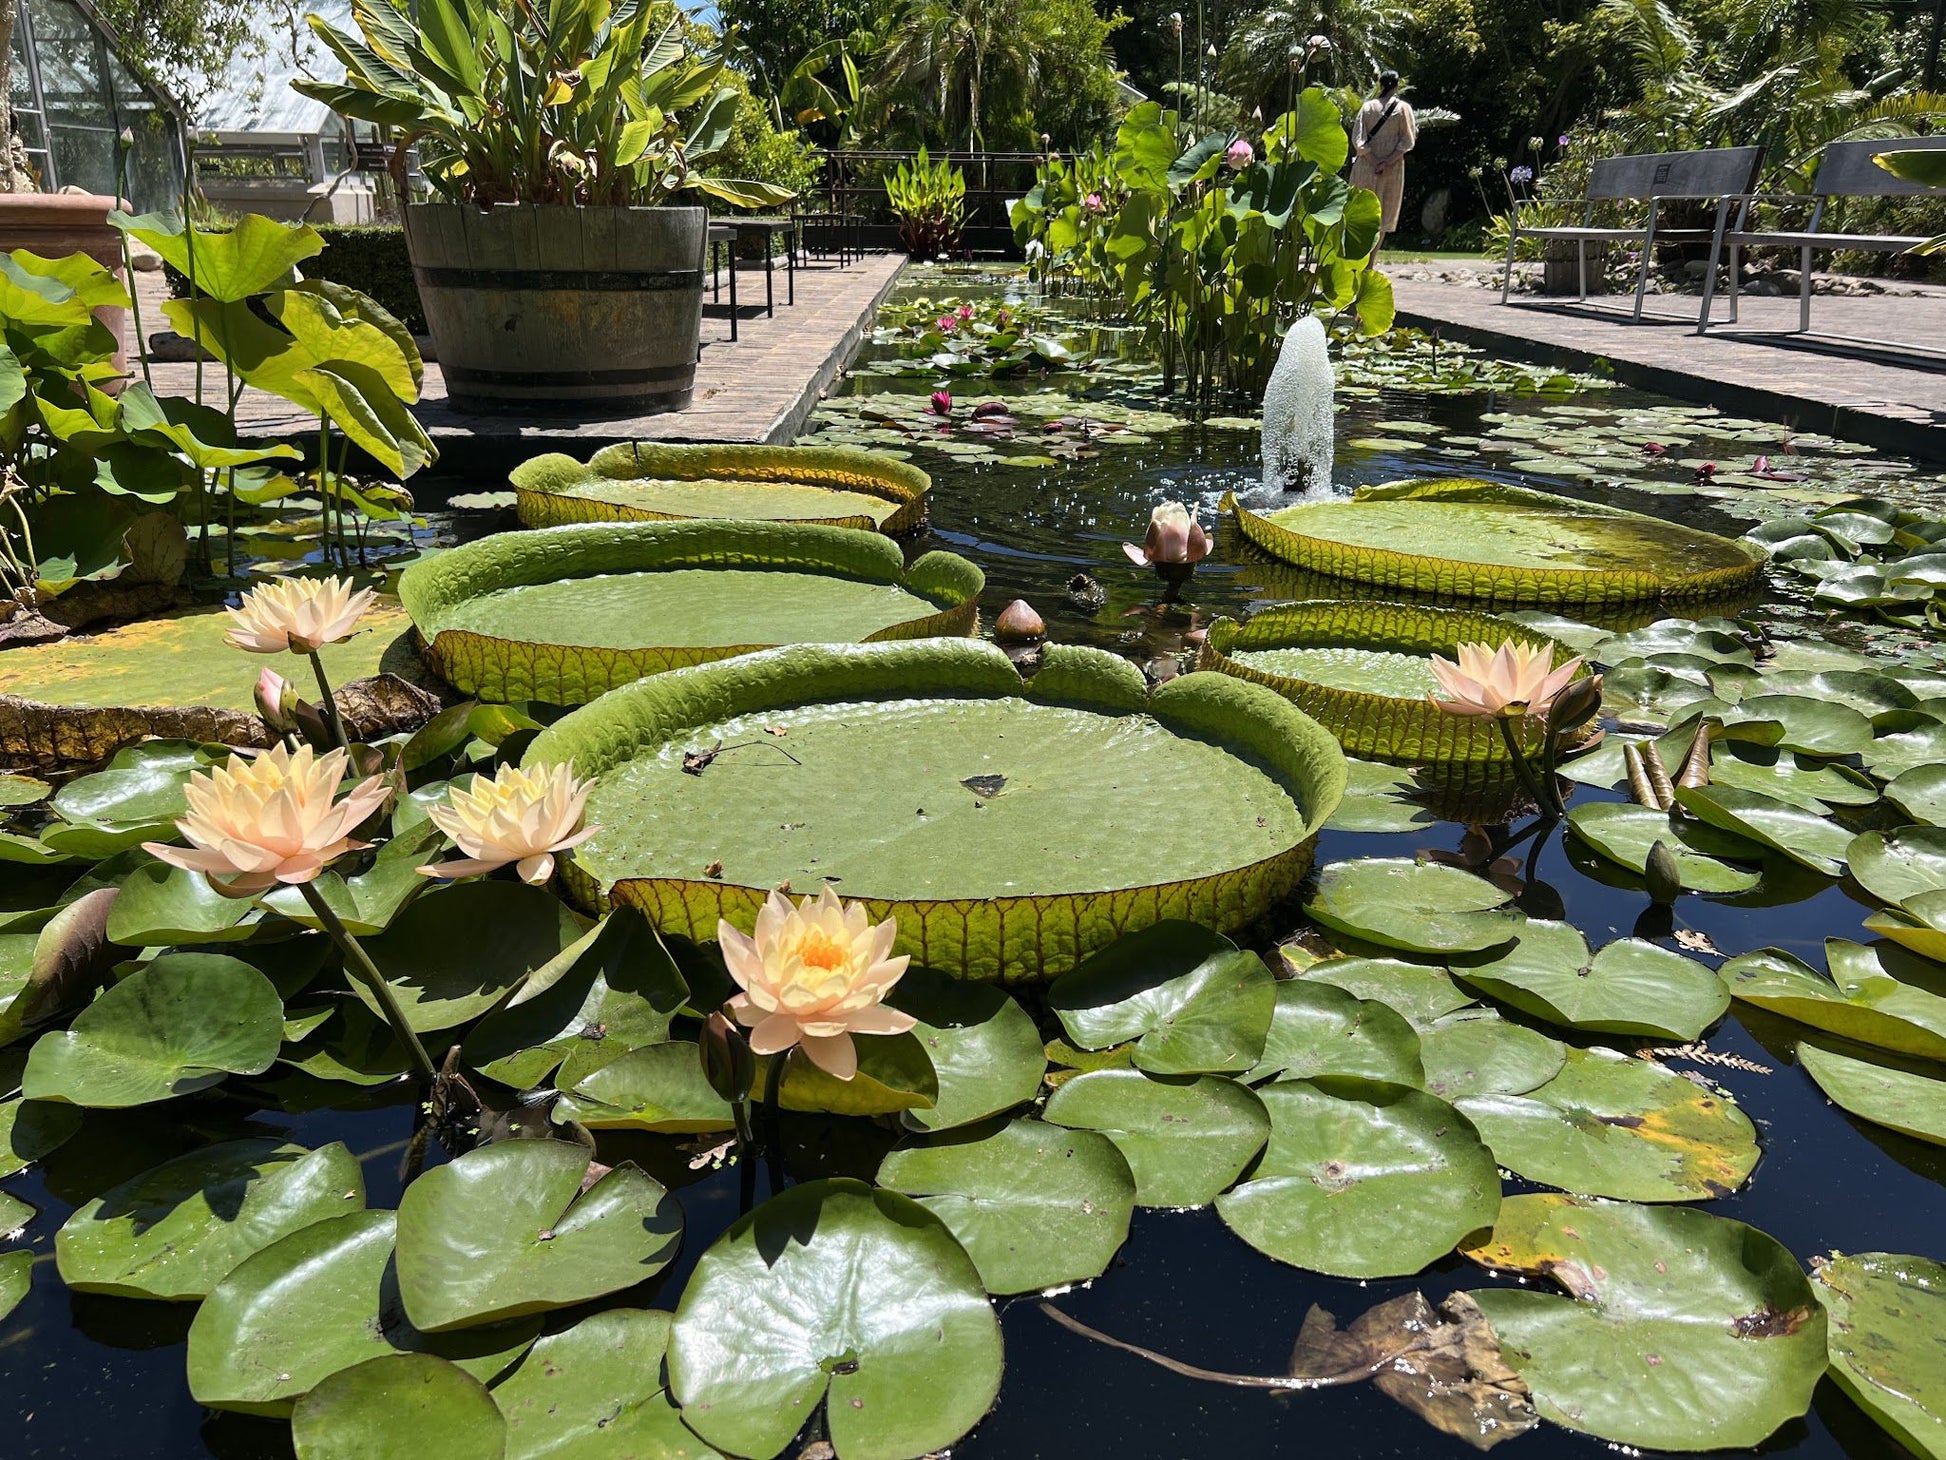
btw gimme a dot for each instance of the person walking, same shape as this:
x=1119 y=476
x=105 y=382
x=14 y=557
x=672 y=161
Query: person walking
x=1381 y=135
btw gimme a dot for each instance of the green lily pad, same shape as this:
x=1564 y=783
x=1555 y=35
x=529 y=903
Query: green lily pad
x=1319 y=1029
x=1678 y=1331
x=317 y=1301
x=1811 y=726
x=1919 y=740
x=1033 y=1205
x=16 y=1279
x=893 y=1076
x=1920 y=793
x=1608 y=1125
x=160 y=905
x=184 y=1023
x=399 y=1404
x=1895 y=865
x=1474 y=1052
x=1906 y=1100
x=460 y=950
x=1803 y=836
x=19 y=790
x=1783 y=776
x=1629 y=987
x=1918 y=923
x=31 y=1129
x=1362 y=1179
x=601 y=1377
x=1422 y=994
x=905 y=1364
x=1864 y=1000
x=1886 y=1312
x=1421 y=907
x=1378 y=799
x=1188 y=1000
x=1625 y=834
x=177 y=1230
x=1186 y=1139
x=506 y=1230
x=659 y=1087
x=985 y=1051
x=368 y=902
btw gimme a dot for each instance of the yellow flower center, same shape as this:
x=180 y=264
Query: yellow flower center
x=820 y=950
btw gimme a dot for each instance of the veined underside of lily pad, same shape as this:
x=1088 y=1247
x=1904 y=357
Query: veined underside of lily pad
x=565 y=614
x=644 y=481
x=1012 y=829
x=1363 y=671
x=1503 y=546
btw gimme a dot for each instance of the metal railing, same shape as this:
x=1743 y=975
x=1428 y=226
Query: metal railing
x=854 y=181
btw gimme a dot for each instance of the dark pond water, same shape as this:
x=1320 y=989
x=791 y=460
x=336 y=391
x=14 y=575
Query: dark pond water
x=90 y=1376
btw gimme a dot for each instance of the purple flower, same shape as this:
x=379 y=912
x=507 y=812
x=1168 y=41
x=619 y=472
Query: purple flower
x=1240 y=155
x=1562 y=140
x=1522 y=174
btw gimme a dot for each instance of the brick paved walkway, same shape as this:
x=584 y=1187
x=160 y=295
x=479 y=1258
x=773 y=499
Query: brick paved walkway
x=1897 y=404
x=758 y=390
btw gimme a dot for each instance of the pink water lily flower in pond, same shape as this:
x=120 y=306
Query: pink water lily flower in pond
x=272 y=819
x=813 y=976
x=942 y=403
x=519 y=816
x=297 y=614
x=1175 y=538
x=965 y=311
x=1513 y=680
x=946 y=324
x=1240 y=154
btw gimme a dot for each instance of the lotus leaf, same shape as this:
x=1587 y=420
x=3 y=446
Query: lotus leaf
x=507 y=1230
x=1186 y=1139
x=1629 y=987
x=601 y=1377
x=399 y=1404
x=177 y=1230
x=659 y=1087
x=837 y=1292
x=1921 y=793
x=564 y=614
x=1320 y=1029
x=1422 y=994
x=1886 y=1312
x=317 y=1301
x=184 y=1023
x=1865 y=999
x=647 y=480
x=1508 y=546
x=1803 y=836
x=1625 y=834
x=1421 y=907
x=1474 y=1052
x=1895 y=865
x=1900 y=1095
x=1033 y=1205
x=1609 y=1125
x=1678 y=1331
x=1188 y=1000
x=984 y=1048
x=1017 y=831
x=458 y=951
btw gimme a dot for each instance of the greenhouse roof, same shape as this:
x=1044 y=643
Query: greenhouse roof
x=256 y=94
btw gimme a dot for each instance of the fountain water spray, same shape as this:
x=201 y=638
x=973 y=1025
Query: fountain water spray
x=1298 y=409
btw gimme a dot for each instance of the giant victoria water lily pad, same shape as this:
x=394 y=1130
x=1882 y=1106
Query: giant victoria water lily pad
x=1678 y=1331
x=1363 y=671
x=1507 y=546
x=1015 y=829
x=1887 y=1315
x=635 y=481
x=564 y=614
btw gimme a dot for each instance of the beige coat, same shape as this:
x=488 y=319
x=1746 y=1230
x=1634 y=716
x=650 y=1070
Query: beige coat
x=1378 y=153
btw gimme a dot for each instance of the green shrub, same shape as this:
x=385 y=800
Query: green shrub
x=369 y=258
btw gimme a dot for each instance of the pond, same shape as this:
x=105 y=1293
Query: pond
x=1040 y=491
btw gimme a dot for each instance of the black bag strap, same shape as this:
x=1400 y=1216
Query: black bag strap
x=1383 y=117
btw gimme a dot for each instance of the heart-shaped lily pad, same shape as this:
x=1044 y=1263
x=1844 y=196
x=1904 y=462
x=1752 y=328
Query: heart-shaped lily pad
x=1865 y=1001
x=1320 y=1029
x=1422 y=994
x=177 y=1230
x=1033 y=1205
x=1625 y=834
x=597 y=1389
x=1895 y=865
x=506 y=1230
x=1799 y=779
x=184 y=1023
x=1803 y=836
x=1608 y=1125
x=1473 y=1052
x=1679 y=1330
x=1362 y=1179
x=906 y=1360
x=1630 y=987
x=1186 y=1139
x=320 y=1300
x=160 y=905
x=1886 y=1312
x=399 y=1404
x=460 y=950
x=16 y=1279
x=1421 y=907
x=1921 y=793
x=1899 y=1096
x=659 y=1087
x=1186 y=997
x=984 y=1048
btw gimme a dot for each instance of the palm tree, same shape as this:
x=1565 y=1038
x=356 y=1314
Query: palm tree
x=951 y=53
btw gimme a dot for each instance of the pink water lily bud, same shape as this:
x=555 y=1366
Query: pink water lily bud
x=1705 y=471
x=1240 y=154
x=1514 y=680
x=942 y=403
x=1018 y=623
x=1654 y=448
x=277 y=702
x=1175 y=538
x=812 y=977
x=1094 y=204
x=300 y=615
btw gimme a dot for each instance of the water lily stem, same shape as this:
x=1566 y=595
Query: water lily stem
x=1543 y=797
x=359 y=964
x=330 y=705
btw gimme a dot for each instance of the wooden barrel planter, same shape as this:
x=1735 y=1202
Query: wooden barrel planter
x=540 y=309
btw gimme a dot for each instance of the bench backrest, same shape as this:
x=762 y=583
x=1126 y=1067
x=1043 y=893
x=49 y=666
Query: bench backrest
x=1846 y=169
x=1705 y=174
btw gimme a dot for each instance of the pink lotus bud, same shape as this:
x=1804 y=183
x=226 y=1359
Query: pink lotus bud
x=1094 y=204
x=1762 y=465
x=277 y=702
x=1018 y=622
x=1240 y=155
x=1175 y=538
x=942 y=403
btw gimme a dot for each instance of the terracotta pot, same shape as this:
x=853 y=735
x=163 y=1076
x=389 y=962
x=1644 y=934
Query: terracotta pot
x=55 y=225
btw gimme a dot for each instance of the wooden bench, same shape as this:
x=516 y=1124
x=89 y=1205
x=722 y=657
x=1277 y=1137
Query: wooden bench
x=1717 y=175
x=1845 y=170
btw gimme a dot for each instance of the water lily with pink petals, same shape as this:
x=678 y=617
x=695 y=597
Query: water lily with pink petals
x=1175 y=539
x=942 y=403
x=519 y=817
x=298 y=615
x=1512 y=681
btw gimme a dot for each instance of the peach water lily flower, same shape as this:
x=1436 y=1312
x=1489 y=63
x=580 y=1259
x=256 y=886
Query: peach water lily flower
x=1512 y=680
x=297 y=614
x=275 y=818
x=813 y=976
x=520 y=816
x=1175 y=538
